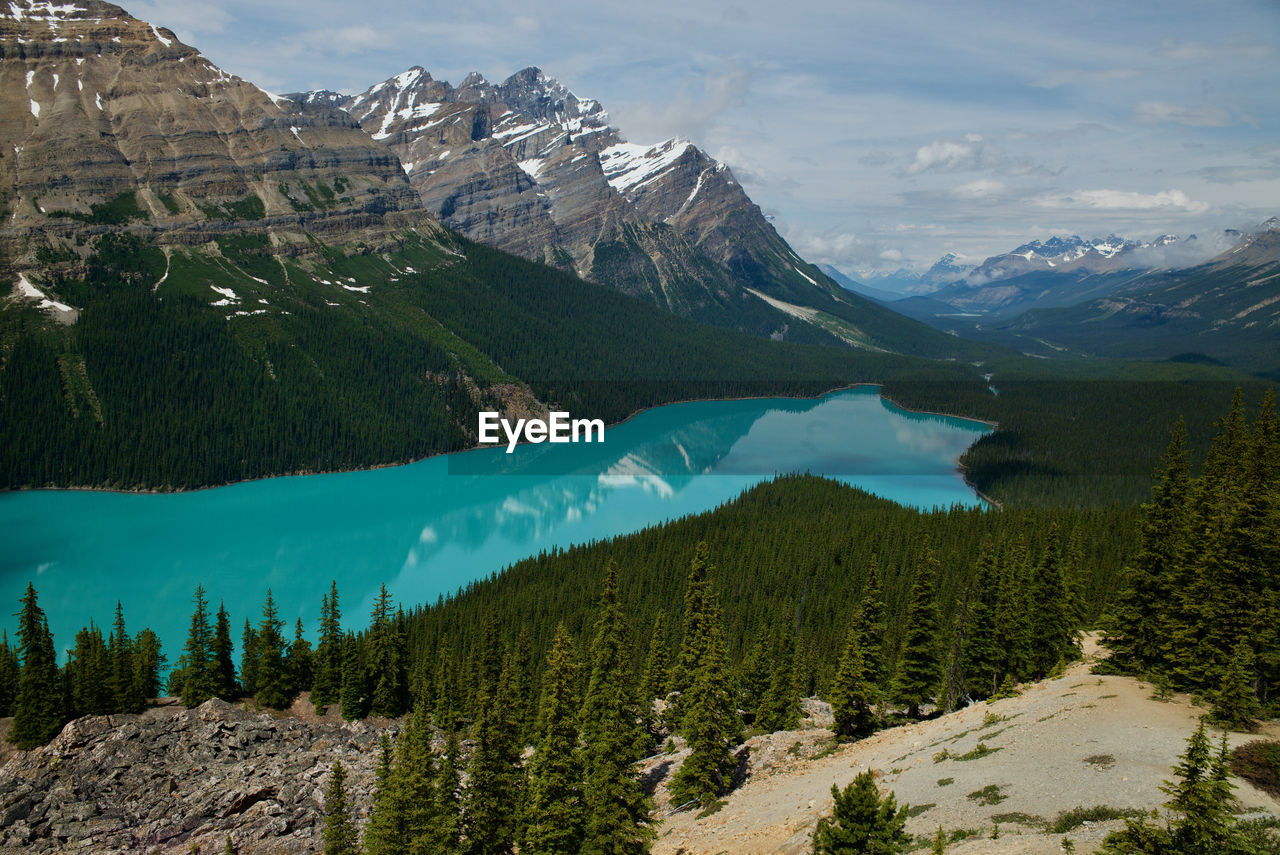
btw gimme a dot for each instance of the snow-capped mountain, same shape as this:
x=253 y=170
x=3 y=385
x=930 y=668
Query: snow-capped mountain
x=531 y=168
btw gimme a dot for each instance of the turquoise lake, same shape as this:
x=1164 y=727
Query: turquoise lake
x=429 y=527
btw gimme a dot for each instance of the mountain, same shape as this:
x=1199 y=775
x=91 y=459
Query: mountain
x=857 y=287
x=530 y=168
x=1226 y=309
x=110 y=121
x=201 y=282
x=907 y=282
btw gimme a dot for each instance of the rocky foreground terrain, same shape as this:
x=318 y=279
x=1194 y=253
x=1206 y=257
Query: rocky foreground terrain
x=172 y=779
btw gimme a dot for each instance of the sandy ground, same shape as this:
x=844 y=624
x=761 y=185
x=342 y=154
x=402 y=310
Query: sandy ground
x=1076 y=741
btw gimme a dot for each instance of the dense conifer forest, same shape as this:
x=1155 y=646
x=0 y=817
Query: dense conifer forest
x=713 y=627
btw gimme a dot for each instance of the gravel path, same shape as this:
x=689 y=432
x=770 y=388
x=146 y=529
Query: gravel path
x=1077 y=741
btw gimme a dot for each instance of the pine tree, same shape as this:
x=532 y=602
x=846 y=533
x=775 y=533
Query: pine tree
x=120 y=653
x=148 y=662
x=981 y=652
x=249 y=659
x=1235 y=705
x=872 y=636
x=9 y=671
x=87 y=676
x=299 y=662
x=852 y=699
x=496 y=779
x=447 y=704
x=386 y=660
x=403 y=816
x=779 y=709
x=654 y=682
x=1137 y=627
x=355 y=696
x=197 y=673
x=270 y=679
x=920 y=667
x=340 y=834
x=861 y=821
x=326 y=688
x=383 y=831
x=447 y=788
x=1053 y=640
x=617 y=809
x=556 y=811
x=37 y=713
x=223 y=666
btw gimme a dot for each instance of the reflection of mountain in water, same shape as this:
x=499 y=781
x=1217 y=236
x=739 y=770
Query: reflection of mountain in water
x=658 y=452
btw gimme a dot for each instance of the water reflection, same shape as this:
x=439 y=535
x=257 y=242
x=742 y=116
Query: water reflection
x=430 y=527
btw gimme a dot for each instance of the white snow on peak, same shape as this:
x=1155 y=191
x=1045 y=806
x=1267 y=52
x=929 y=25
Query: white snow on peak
x=532 y=167
x=162 y=39
x=43 y=10
x=628 y=166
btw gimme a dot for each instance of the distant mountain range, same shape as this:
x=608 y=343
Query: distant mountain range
x=1225 y=309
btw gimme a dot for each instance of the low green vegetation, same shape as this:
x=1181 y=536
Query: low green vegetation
x=991 y=794
x=116 y=211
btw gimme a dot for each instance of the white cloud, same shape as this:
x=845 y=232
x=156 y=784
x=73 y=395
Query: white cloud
x=984 y=189
x=1121 y=200
x=948 y=155
x=1083 y=77
x=1200 y=116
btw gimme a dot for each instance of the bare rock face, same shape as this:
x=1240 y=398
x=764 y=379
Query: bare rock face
x=106 y=120
x=173 y=779
x=529 y=167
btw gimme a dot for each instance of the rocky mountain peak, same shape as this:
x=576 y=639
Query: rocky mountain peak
x=114 y=122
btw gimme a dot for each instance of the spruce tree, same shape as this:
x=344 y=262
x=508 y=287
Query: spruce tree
x=37 y=714
x=196 y=662
x=383 y=832
x=223 y=665
x=341 y=836
x=447 y=702
x=779 y=709
x=496 y=778
x=920 y=667
x=448 y=792
x=1138 y=626
x=326 y=688
x=9 y=671
x=120 y=653
x=556 y=811
x=617 y=808
x=299 y=662
x=87 y=676
x=654 y=682
x=249 y=659
x=1235 y=705
x=271 y=681
x=862 y=821
x=403 y=815
x=872 y=638
x=981 y=653
x=355 y=696
x=852 y=696
x=1053 y=640
x=708 y=718
x=386 y=660
x=148 y=662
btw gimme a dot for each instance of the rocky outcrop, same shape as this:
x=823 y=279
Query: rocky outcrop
x=174 y=779
x=528 y=167
x=109 y=122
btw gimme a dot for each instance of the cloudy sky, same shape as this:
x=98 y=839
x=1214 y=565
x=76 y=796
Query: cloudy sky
x=877 y=134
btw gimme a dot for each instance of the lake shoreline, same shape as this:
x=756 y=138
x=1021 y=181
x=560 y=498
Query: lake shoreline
x=161 y=491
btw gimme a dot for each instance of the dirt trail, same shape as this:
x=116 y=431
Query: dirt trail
x=1076 y=741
